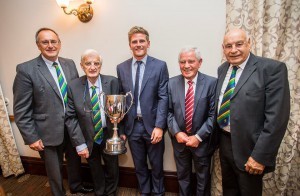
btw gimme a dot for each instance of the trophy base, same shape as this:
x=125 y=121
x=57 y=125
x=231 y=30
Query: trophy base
x=115 y=146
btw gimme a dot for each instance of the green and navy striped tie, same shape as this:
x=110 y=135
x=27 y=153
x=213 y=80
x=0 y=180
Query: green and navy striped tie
x=96 y=117
x=62 y=83
x=224 y=112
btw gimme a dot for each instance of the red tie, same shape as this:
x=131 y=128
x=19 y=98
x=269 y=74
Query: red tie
x=189 y=107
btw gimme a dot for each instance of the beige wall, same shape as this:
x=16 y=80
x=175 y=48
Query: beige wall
x=171 y=24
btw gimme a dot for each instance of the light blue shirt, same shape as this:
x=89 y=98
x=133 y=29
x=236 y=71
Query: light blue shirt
x=98 y=89
x=54 y=74
x=134 y=66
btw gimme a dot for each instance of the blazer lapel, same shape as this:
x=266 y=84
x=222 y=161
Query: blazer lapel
x=47 y=75
x=87 y=99
x=199 y=89
x=128 y=74
x=247 y=72
x=148 y=70
x=181 y=94
x=65 y=68
x=221 y=79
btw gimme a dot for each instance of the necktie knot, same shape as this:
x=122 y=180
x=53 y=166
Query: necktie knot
x=55 y=64
x=93 y=88
x=139 y=62
x=234 y=70
x=190 y=82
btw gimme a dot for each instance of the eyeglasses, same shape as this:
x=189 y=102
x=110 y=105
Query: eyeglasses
x=48 y=42
x=237 y=45
x=88 y=64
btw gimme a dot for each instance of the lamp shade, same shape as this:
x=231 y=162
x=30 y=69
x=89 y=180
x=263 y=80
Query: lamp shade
x=63 y=3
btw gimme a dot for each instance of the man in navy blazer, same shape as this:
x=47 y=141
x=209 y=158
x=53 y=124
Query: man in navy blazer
x=258 y=115
x=193 y=144
x=144 y=124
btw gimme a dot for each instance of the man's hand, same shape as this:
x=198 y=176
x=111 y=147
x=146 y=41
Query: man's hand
x=182 y=137
x=157 y=135
x=123 y=137
x=37 y=146
x=253 y=167
x=84 y=153
x=192 y=142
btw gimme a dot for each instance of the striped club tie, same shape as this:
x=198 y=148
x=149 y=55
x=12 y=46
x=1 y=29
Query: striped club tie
x=189 y=107
x=62 y=83
x=224 y=112
x=96 y=117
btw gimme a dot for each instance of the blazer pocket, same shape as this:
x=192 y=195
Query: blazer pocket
x=39 y=116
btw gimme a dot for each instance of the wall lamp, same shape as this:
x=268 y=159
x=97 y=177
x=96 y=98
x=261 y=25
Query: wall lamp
x=84 y=11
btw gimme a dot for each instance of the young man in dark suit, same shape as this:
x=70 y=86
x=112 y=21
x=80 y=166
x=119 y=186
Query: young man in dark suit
x=144 y=124
x=253 y=106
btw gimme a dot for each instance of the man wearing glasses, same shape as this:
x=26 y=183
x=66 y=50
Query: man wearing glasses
x=40 y=99
x=87 y=124
x=253 y=106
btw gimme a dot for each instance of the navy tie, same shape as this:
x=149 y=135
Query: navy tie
x=137 y=84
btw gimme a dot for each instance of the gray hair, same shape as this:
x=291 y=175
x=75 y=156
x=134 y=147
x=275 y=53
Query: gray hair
x=44 y=29
x=190 y=49
x=88 y=52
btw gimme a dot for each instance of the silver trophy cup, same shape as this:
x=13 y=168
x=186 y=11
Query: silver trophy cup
x=114 y=107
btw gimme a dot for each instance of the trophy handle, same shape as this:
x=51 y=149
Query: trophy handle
x=101 y=94
x=129 y=93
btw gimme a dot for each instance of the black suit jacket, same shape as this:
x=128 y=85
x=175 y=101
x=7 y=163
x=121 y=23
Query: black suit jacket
x=38 y=106
x=203 y=115
x=79 y=118
x=259 y=110
x=153 y=94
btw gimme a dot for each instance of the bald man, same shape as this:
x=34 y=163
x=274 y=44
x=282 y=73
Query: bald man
x=253 y=106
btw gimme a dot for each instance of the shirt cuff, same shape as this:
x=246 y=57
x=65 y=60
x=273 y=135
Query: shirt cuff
x=197 y=136
x=81 y=147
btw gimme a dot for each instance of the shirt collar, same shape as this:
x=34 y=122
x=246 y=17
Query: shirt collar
x=97 y=83
x=242 y=66
x=194 y=80
x=144 y=60
x=49 y=63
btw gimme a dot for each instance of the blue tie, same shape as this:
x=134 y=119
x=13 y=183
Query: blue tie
x=62 y=83
x=224 y=112
x=136 y=85
x=96 y=117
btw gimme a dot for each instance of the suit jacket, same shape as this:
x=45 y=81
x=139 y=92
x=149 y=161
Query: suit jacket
x=38 y=106
x=259 y=110
x=153 y=93
x=79 y=118
x=203 y=115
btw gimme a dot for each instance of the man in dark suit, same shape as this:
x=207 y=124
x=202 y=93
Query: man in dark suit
x=39 y=106
x=148 y=78
x=83 y=116
x=253 y=112
x=190 y=121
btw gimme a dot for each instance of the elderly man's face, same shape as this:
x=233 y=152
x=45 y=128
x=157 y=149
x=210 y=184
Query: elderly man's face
x=236 y=47
x=189 y=65
x=91 y=66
